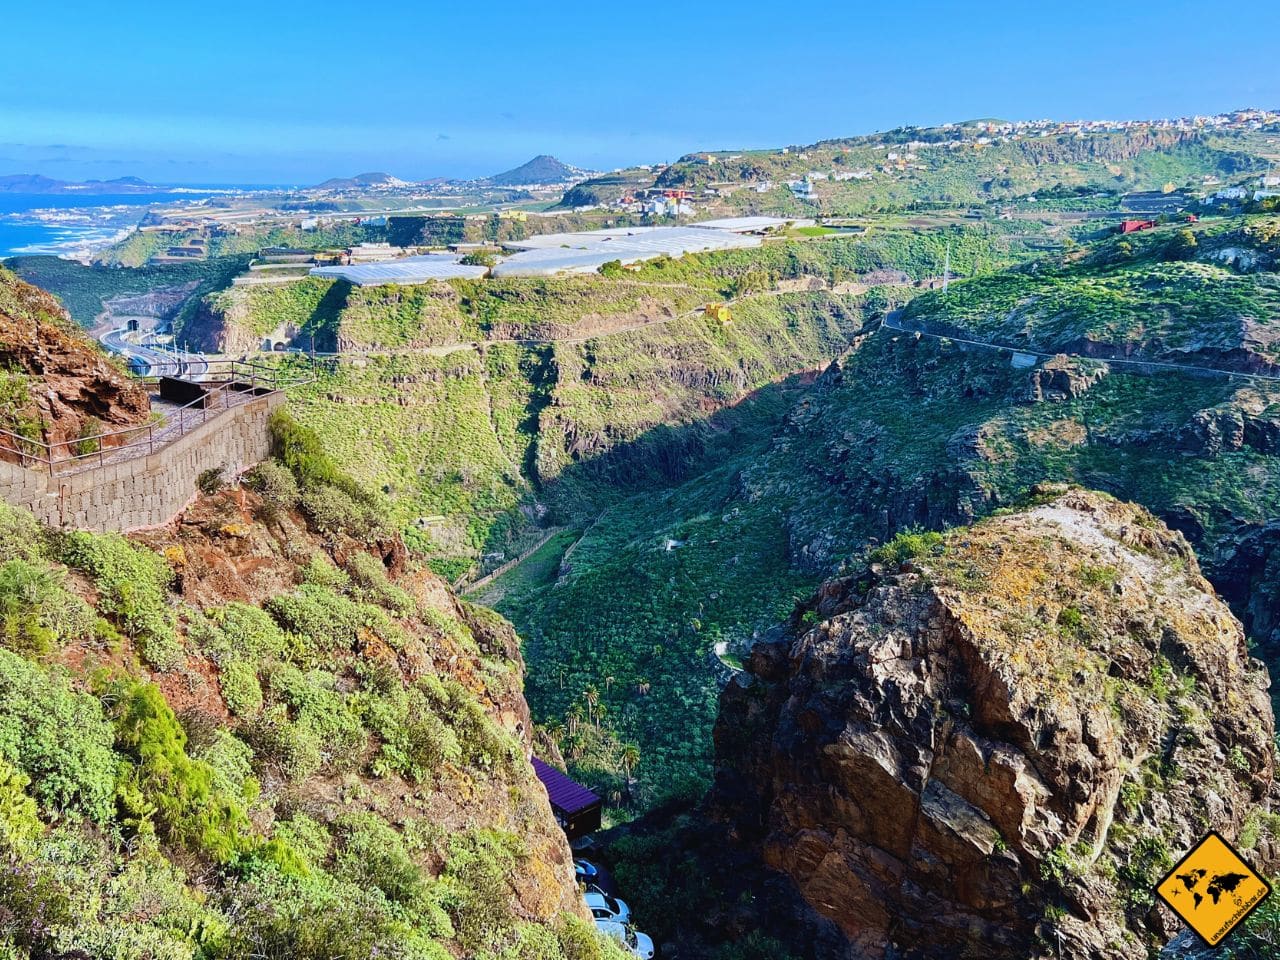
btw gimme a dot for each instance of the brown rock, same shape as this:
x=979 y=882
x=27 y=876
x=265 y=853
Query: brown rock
x=997 y=752
x=72 y=388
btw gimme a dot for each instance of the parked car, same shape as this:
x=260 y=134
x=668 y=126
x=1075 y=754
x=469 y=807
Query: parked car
x=637 y=944
x=605 y=907
x=586 y=871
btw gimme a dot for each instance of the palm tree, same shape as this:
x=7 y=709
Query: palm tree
x=629 y=758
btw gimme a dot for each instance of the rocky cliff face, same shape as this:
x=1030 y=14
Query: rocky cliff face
x=267 y=720
x=995 y=747
x=59 y=385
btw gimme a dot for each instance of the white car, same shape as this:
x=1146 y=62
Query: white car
x=605 y=907
x=636 y=942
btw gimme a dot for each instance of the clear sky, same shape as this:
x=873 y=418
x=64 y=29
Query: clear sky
x=293 y=92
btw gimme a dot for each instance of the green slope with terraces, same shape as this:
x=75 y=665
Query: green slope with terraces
x=490 y=409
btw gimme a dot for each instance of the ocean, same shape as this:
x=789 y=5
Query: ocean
x=68 y=225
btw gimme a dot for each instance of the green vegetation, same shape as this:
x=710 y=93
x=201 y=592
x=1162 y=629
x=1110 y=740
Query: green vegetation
x=83 y=289
x=110 y=796
x=132 y=585
x=1171 y=293
x=928 y=168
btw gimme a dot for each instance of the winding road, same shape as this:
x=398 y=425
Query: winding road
x=892 y=321
x=192 y=365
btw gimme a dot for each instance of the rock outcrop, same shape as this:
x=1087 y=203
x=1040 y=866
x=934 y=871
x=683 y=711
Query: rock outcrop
x=1063 y=378
x=63 y=387
x=996 y=748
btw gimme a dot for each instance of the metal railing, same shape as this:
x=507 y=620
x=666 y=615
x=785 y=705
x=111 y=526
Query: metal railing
x=231 y=383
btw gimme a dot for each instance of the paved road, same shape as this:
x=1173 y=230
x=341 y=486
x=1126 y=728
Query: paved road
x=893 y=321
x=197 y=365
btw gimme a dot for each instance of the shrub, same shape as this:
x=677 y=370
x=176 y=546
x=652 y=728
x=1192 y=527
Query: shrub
x=372 y=854
x=163 y=787
x=416 y=742
x=132 y=583
x=250 y=632
x=302 y=452
x=906 y=545
x=477 y=871
x=320 y=571
x=32 y=903
x=373 y=584
x=57 y=737
x=20 y=535
x=210 y=481
x=318 y=707
x=37 y=610
x=240 y=688
x=291 y=748
x=18 y=822
x=304 y=919
x=332 y=511
x=332 y=501
x=272 y=481
x=231 y=760
x=331 y=623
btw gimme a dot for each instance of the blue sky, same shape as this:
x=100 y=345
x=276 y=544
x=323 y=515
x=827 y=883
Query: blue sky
x=270 y=92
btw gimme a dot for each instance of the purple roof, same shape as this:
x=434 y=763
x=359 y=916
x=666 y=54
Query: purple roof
x=565 y=794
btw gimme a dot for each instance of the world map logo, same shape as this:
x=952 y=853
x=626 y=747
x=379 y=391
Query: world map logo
x=1213 y=889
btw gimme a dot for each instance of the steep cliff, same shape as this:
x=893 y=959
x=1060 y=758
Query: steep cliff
x=57 y=386
x=265 y=730
x=993 y=742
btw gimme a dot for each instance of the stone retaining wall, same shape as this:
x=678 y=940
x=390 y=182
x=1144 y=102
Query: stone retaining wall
x=149 y=490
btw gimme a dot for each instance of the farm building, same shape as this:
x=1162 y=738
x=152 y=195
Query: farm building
x=585 y=252
x=406 y=270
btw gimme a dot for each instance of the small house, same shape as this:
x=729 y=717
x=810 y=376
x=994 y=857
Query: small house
x=576 y=808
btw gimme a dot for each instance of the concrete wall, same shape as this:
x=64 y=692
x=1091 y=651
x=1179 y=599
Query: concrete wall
x=150 y=490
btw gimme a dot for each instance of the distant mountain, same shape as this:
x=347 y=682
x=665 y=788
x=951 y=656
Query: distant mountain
x=36 y=183
x=542 y=169
x=361 y=180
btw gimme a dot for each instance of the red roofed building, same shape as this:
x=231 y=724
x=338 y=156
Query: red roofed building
x=1133 y=226
x=577 y=809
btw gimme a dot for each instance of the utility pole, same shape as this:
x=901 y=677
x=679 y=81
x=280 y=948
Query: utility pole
x=946 y=270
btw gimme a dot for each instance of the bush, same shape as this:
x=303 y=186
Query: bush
x=272 y=481
x=18 y=822
x=291 y=748
x=210 y=481
x=58 y=738
x=373 y=584
x=32 y=902
x=162 y=787
x=333 y=511
x=231 y=760
x=416 y=742
x=37 y=610
x=133 y=587
x=477 y=871
x=328 y=622
x=20 y=535
x=332 y=501
x=302 y=919
x=240 y=631
x=906 y=545
x=319 y=708
x=240 y=688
